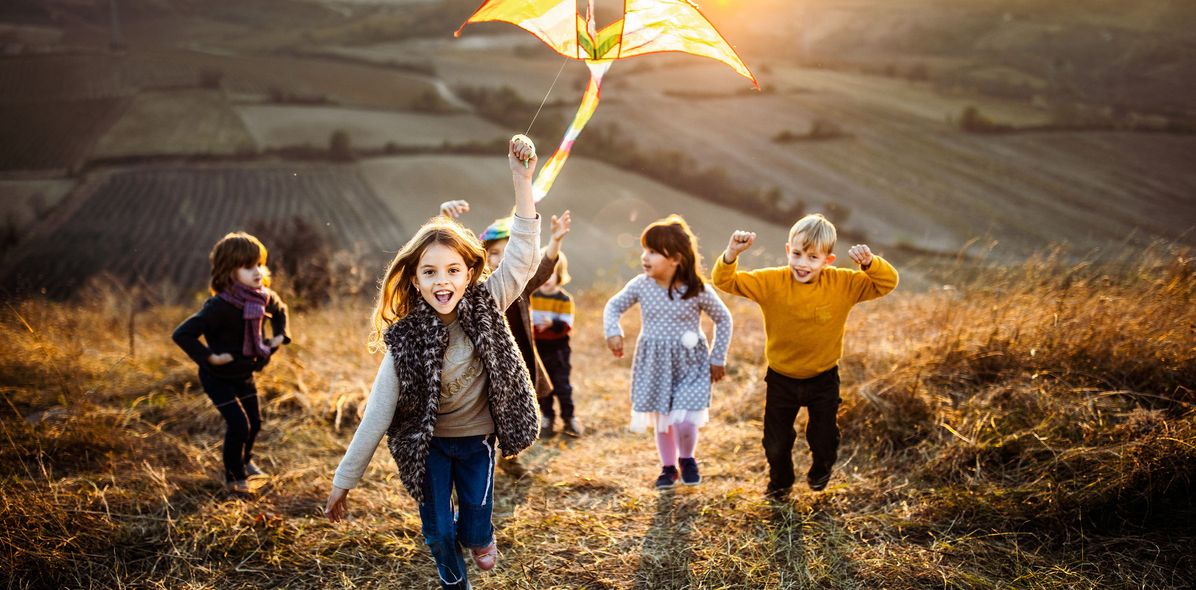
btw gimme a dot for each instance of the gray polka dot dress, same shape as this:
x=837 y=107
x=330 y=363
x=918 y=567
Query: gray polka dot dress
x=670 y=374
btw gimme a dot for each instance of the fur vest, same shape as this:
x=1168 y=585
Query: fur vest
x=417 y=343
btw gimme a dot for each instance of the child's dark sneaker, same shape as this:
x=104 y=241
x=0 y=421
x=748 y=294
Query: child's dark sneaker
x=545 y=427
x=668 y=478
x=818 y=483
x=689 y=471
x=776 y=494
x=237 y=486
x=254 y=471
x=574 y=428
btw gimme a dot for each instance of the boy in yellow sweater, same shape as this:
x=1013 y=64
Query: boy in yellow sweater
x=805 y=306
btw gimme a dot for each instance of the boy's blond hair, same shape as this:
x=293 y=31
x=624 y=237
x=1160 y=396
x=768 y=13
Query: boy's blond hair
x=817 y=232
x=561 y=270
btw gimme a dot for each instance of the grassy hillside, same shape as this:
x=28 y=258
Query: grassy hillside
x=1028 y=427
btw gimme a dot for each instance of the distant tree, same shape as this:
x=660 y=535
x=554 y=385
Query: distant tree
x=430 y=101
x=210 y=78
x=918 y=73
x=339 y=146
x=972 y=120
x=838 y=213
x=795 y=210
x=824 y=129
x=302 y=255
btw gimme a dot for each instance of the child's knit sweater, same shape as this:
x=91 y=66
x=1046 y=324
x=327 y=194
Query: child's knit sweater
x=556 y=309
x=804 y=322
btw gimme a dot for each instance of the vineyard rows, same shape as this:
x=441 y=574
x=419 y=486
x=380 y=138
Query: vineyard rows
x=158 y=224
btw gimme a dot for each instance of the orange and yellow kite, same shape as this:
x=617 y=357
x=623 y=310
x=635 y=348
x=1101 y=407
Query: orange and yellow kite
x=647 y=26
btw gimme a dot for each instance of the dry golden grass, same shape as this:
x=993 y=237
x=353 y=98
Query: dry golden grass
x=1031 y=427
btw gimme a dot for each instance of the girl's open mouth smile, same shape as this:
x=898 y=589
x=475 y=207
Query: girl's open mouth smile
x=443 y=296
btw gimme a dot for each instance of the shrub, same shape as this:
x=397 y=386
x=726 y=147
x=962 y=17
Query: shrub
x=972 y=120
x=339 y=146
x=210 y=78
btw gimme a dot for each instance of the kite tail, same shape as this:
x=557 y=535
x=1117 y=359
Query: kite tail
x=589 y=102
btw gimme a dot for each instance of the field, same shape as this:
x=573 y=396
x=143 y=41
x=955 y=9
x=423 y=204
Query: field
x=281 y=126
x=54 y=137
x=176 y=122
x=610 y=208
x=990 y=441
x=900 y=163
x=155 y=224
x=909 y=175
x=71 y=77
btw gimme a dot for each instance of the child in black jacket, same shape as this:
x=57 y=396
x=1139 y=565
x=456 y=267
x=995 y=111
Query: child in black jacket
x=232 y=323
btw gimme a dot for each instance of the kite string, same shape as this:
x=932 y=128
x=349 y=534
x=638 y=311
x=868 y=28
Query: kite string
x=546 y=95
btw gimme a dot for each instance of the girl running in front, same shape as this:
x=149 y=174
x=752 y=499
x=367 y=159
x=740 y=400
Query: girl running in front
x=673 y=368
x=452 y=382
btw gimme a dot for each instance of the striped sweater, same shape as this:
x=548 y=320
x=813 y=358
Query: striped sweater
x=556 y=308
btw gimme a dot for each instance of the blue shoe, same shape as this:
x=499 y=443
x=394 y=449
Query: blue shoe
x=667 y=479
x=689 y=472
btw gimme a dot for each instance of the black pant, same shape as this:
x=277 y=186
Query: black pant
x=237 y=402
x=784 y=397
x=555 y=354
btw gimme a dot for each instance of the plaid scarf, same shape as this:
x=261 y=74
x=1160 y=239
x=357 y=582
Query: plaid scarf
x=252 y=303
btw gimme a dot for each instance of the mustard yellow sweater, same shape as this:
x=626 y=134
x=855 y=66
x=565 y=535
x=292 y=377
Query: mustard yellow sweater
x=803 y=322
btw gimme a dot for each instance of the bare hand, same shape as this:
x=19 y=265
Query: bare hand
x=521 y=155
x=615 y=344
x=740 y=241
x=217 y=360
x=860 y=254
x=717 y=373
x=455 y=208
x=544 y=326
x=337 y=505
x=560 y=225
x=276 y=341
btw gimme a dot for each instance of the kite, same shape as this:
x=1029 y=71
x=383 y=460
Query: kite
x=647 y=26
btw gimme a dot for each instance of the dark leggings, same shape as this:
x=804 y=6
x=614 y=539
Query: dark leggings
x=555 y=355
x=237 y=403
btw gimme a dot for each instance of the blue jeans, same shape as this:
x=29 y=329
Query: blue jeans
x=466 y=463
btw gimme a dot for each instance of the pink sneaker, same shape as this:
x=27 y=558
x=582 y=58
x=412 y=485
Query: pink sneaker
x=486 y=557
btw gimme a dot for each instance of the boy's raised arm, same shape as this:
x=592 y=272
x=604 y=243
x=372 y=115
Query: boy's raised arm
x=877 y=279
x=728 y=278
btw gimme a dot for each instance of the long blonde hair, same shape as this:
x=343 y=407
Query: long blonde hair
x=397 y=295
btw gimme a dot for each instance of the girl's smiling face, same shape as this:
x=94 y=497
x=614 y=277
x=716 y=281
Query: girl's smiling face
x=441 y=278
x=250 y=276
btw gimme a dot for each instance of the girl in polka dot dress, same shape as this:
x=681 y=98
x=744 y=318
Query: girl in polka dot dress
x=673 y=366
